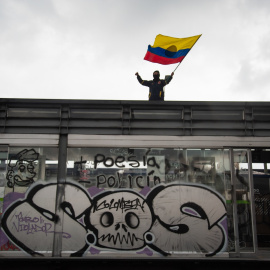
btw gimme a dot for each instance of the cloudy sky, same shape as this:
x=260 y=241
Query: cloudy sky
x=91 y=49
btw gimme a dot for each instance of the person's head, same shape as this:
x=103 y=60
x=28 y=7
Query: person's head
x=156 y=75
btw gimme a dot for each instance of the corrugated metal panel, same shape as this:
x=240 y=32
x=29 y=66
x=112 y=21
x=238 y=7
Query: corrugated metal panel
x=90 y=117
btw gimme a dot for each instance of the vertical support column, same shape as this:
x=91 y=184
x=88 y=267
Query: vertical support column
x=60 y=194
x=186 y=160
x=42 y=167
x=265 y=170
x=234 y=202
x=252 y=201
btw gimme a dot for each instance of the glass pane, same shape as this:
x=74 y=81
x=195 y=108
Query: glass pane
x=228 y=196
x=26 y=222
x=243 y=200
x=206 y=166
x=261 y=179
x=4 y=244
x=133 y=168
x=182 y=192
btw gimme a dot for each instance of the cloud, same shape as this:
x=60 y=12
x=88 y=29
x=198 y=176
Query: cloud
x=92 y=49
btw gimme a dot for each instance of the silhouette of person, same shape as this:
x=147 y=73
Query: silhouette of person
x=156 y=91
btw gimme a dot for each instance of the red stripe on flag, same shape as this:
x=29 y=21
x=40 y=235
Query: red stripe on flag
x=162 y=60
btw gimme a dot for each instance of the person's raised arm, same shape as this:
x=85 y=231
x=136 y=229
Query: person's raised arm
x=169 y=78
x=141 y=81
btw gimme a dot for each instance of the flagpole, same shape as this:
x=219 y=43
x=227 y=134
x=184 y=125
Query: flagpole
x=186 y=54
x=177 y=66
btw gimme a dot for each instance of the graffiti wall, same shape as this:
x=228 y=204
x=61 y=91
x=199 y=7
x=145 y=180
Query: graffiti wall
x=101 y=209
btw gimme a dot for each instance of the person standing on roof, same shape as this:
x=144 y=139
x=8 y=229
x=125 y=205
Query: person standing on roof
x=156 y=91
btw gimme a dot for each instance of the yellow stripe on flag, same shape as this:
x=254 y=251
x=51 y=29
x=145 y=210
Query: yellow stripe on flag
x=174 y=44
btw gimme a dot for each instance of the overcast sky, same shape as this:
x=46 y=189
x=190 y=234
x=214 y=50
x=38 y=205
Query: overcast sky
x=91 y=49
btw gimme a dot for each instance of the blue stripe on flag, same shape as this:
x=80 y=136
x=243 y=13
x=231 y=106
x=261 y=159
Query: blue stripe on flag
x=168 y=54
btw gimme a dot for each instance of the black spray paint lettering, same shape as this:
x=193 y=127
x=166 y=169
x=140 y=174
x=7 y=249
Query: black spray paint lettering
x=22 y=172
x=118 y=161
x=129 y=238
x=123 y=205
x=111 y=181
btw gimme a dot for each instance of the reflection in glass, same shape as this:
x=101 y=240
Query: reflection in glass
x=261 y=181
x=243 y=200
x=139 y=167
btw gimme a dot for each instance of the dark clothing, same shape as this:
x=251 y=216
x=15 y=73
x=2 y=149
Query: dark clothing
x=156 y=91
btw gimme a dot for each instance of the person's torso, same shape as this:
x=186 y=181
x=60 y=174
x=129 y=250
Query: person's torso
x=156 y=90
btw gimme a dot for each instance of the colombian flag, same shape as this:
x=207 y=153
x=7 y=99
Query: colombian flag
x=169 y=50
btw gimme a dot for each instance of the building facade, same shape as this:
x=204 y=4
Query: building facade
x=133 y=179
